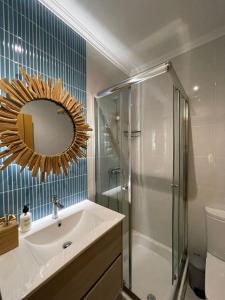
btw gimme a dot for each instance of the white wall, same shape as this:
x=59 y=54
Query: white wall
x=205 y=67
x=101 y=74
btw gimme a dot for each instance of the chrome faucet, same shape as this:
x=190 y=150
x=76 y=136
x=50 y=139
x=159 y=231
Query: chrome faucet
x=55 y=206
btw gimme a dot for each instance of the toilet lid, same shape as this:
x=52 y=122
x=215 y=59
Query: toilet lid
x=214 y=278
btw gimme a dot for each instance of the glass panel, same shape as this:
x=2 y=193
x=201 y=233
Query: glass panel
x=179 y=182
x=182 y=185
x=113 y=162
x=125 y=178
x=175 y=184
x=183 y=181
x=152 y=170
x=186 y=117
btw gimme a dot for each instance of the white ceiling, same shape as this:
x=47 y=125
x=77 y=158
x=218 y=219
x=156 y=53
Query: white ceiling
x=137 y=34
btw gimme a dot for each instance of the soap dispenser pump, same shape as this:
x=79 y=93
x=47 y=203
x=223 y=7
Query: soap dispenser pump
x=25 y=219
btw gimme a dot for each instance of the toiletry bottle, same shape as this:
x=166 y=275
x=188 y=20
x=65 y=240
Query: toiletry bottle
x=25 y=219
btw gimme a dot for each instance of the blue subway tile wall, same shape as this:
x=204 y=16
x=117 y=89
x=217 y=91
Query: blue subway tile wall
x=33 y=37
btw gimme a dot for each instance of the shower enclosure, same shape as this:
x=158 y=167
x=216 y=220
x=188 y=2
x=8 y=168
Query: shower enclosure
x=141 y=171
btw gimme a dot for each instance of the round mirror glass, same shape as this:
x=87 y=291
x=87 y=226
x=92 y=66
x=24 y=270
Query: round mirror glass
x=45 y=127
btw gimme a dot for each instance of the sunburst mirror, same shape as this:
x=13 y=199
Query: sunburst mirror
x=41 y=126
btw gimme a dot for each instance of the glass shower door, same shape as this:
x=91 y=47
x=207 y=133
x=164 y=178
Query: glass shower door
x=113 y=169
x=158 y=142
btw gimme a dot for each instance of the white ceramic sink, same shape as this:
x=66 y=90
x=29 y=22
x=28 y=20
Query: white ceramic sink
x=60 y=235
x=53 y=237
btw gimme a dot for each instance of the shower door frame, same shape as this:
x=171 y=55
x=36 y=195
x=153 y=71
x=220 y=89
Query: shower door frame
x=166 y=67
x=179 y=190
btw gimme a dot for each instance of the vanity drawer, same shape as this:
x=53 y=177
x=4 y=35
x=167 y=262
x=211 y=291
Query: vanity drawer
x=78 y=277
x=110 y=284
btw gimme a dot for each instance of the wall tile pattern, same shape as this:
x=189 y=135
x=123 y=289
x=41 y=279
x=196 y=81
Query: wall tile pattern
x=33 y=37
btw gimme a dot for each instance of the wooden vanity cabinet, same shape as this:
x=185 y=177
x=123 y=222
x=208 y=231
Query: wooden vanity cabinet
x=96 y=274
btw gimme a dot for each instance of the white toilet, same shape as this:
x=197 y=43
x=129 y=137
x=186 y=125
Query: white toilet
x=215 y=261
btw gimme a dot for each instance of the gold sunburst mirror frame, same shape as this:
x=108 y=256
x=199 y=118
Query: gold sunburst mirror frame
x=20 y=92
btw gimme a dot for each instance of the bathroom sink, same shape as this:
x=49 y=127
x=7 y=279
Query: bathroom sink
x=55 y=237
x=79 y=223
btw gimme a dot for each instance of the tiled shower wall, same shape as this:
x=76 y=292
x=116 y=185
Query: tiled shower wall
x=33 y=37
x=204 y=66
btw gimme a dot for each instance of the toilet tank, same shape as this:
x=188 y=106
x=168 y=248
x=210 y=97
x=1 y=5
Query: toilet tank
x=215 y=231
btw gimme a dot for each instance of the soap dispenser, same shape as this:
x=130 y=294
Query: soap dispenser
x=25 y=219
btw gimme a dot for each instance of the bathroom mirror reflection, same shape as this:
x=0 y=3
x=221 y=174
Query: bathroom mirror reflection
x=45 y=127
